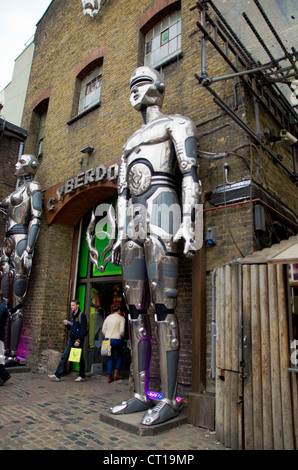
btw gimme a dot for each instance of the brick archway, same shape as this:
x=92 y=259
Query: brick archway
x=71 y=209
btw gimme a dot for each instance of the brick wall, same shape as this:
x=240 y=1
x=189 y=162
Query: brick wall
x=47 y=302
x=64 y=39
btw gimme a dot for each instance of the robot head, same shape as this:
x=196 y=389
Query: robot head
x=26 y=165
x=146 y=88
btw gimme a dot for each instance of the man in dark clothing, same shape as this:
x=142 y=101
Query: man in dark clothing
x=4 y=375
x=77 y=328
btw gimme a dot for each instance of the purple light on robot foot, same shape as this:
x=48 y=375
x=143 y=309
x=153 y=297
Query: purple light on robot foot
x=22 y=350
x=159 y=396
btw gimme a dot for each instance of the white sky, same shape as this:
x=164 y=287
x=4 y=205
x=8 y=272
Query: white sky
x=18 y=19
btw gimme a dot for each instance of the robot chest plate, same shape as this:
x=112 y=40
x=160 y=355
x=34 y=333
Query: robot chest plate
x=159 y=156
x=146 y=162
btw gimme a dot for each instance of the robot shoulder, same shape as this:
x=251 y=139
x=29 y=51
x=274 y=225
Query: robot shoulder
x=33 y=186
x=183 y=125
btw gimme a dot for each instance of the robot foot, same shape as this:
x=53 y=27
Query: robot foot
x=133 y=405
x=12 y=361
x=163 y=411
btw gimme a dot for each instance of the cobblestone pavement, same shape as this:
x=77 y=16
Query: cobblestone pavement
x=38 y=414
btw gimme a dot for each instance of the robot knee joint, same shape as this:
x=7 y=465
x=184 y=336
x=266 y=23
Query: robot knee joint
x=168 y=330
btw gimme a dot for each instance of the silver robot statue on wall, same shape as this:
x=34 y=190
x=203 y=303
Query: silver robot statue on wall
x=149 y=226
x=23 y=209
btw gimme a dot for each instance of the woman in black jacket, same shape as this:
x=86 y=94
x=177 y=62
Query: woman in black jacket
x=78 y=328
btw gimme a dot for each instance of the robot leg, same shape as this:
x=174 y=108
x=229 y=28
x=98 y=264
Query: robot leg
x=16 y=323
x=163 y=274
x=168 y=338
x=137 y=298
x=15 y=311
x=4 y=277
x=20 y=283
x=140 y=336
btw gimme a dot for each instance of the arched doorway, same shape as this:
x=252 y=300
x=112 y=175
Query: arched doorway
x=97 y=292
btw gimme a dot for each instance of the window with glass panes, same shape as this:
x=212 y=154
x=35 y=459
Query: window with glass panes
x=43 y=119
x=163 y=41
x=90 y=89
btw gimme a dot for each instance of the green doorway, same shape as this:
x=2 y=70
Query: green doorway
x=97 y=292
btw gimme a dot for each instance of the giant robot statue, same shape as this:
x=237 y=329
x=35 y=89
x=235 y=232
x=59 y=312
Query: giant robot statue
x=149 y=225
x=23 y=209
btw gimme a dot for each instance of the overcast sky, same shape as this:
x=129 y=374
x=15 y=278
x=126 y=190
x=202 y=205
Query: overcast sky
x=18 y=20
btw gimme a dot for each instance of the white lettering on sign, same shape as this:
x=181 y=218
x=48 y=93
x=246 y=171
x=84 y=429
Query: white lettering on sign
x=92 y=175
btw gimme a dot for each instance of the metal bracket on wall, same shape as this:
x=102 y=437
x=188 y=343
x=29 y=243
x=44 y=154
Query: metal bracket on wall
x=253 y=74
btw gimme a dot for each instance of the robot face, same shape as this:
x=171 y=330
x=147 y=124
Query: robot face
x=146 y=88
x=27 y=164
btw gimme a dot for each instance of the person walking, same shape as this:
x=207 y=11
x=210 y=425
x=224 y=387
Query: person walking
x=113 y=328
x=78 y=328
x=4 y=375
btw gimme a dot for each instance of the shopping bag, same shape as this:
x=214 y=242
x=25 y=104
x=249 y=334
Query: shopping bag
x=106 y=347
x=2 y=353
x=75 y=355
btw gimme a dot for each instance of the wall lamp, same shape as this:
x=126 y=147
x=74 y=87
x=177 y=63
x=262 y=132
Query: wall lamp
x=89 y=149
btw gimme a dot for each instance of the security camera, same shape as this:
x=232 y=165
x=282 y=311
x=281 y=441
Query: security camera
x=89 y=149
x=211 y=236
x=285 y=135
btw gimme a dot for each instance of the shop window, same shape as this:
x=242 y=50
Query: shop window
x=90 y=90
x=38 y=125
x=86 y=268
x=43 y=119
x=163 y=41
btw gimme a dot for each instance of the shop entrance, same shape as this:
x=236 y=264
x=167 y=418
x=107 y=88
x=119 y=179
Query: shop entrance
x=97 y=292
x=101 y=296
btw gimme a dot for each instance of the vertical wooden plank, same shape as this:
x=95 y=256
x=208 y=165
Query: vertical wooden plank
x=247 y=388
x=256 y=359
x=287 y=416
x=234 y=410
x=241 y=359
x=265 y=352
x=236 y=388
x=236 y=359
x=240 y=413
x=219 y=407
x=275 y=359
x=220 y=308
x=219 y=404
x=228 y=317
x=227 y=408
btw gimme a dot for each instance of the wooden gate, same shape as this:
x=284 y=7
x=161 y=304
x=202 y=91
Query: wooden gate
x=256 y=394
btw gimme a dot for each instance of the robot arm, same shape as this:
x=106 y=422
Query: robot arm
x=121 y=210
x=2 y=208
x=4 y=205
x=34 y=224
x=184 y=137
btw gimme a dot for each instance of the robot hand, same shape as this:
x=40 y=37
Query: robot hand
x=116 y=253
x=2 y=209
x=187 y=233
x=26 y=258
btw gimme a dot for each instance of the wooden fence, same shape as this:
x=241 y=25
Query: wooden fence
x=256 y=394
